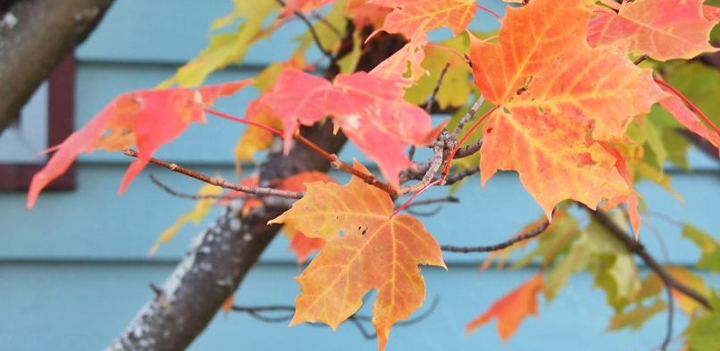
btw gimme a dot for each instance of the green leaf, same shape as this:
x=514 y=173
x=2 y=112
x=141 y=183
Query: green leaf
x=350 y=61
x=709 y=247
x=698 y=82
x=597 y=250
x=651 y=286
x=634 y=319
x=227 y=47
x=456 y=86
x=326 y=30
x=555 y=242
x=702 y=334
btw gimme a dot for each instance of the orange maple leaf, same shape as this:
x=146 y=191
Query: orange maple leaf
x=557 y=97
x=300 y=244
x=369 y=109
x=364 y=13
x=146 y=118
x=375 y=251
x=512 y=308
x=661 y=29
x=409 y=15
x=412 y=55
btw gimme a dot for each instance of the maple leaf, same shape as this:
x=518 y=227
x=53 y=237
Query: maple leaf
x=694 y=282
x=255 y=138
x=409 y=15
x=512 y=308
x=300 y=244
x=556 y=98
x=226 y=48
x=635 y=318
x=146 y=118
x=369 y=109
x=409 y=57
x=456 y=87
x=364 y=13
x=306 y=6
x=374 y=251
x=661 y=29
x=690 y=120
x=228 y=305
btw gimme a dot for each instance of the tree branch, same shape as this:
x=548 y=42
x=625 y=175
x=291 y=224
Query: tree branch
x=356 y=319
x=225 y=252
x=216 y=181
x=35 y=35
x=639 y=250
x=505 y=244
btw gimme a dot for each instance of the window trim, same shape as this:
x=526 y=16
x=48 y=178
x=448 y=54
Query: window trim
x=61 y=101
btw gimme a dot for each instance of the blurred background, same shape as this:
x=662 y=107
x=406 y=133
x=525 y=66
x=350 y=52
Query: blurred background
x=75 y=269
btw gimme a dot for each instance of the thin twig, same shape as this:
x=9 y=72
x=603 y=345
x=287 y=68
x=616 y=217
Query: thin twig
x=444 y=199
x=650 y=261
x=336 y=163
x=434 y=165
x=505 y=244
x=640 y=60
x=410 y=207
x=469 y=149
x=355 y=319
x=468 y=115
x=187 y=196
x=327 y=23
x=671 y=316
x=431 y=100
x=429 y=213
x=217 y=181
x=309 y=24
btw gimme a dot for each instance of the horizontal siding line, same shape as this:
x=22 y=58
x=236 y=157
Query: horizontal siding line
x=5 y=262
x=249 y=166
x=163 y=64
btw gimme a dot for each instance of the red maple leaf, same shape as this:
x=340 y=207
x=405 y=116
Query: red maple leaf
x=146 y=118
x=369 y=109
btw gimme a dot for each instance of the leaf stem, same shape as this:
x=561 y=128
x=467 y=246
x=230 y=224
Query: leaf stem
x=335 y=162
x=448 y=162
x=489 y=11
x=688 y=103
x=407 y=203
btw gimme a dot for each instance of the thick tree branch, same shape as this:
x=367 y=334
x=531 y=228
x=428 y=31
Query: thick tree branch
x=225 y=252
x=35 y=36
x=219 y=260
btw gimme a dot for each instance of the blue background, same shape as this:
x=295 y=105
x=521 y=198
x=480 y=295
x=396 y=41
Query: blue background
x=74 y=270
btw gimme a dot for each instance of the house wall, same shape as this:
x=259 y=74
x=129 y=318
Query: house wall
x=74 y=270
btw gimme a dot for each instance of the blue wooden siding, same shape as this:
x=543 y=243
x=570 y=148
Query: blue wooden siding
x=74 y=269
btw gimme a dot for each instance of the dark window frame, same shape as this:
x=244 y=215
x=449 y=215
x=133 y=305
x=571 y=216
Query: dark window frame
x=61 y=101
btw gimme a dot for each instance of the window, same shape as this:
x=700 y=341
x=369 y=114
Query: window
x=46 y=120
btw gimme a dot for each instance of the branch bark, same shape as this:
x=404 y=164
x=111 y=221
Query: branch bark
x=222 y=254
x=35 y=35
